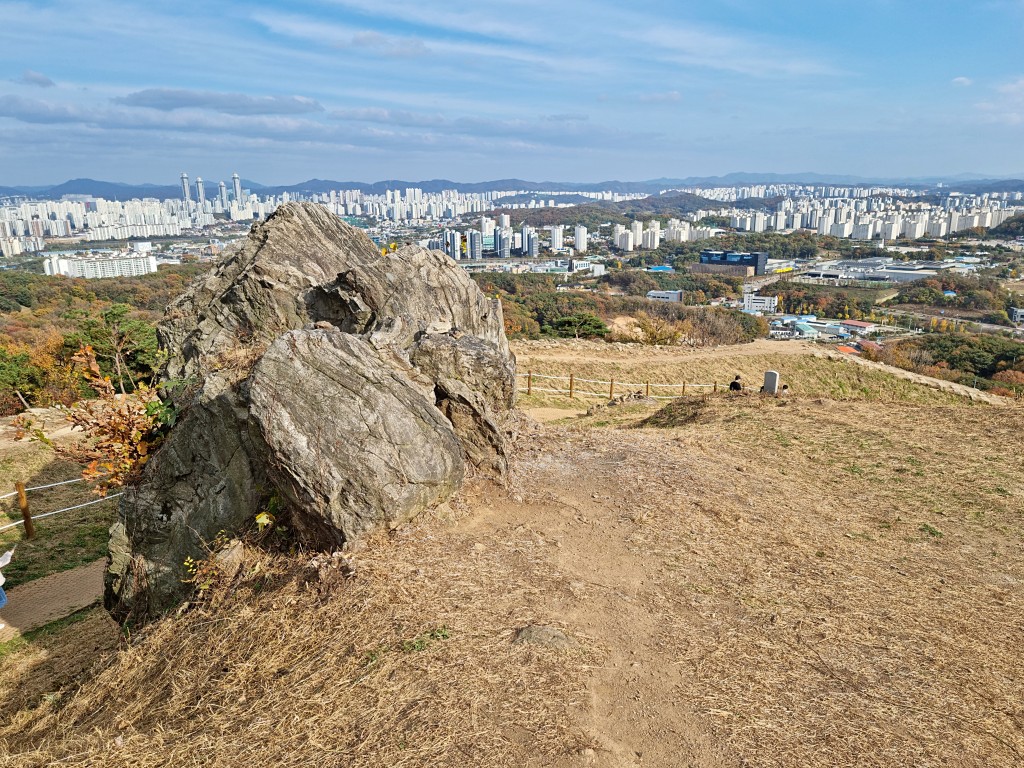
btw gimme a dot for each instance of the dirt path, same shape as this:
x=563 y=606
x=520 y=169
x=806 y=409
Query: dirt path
x=51 y=420
x=581 y=517
x=44 y=600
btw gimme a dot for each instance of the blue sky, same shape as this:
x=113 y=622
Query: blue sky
x=574 y=90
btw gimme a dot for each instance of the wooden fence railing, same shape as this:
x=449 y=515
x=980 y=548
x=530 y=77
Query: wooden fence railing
x=624 y=387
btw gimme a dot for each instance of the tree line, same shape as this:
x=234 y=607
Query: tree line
x=45 y=322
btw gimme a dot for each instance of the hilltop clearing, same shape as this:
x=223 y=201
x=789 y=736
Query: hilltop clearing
x=743 y=581
x=807 y=368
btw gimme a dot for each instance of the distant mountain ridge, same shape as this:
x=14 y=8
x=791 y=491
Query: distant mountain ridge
x=111 y=190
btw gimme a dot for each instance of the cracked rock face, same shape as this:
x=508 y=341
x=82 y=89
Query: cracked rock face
x=349 y=390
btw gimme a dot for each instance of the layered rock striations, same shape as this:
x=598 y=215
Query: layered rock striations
x=349 y=389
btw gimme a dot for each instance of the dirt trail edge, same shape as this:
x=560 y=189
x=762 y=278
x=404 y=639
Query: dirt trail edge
x=53 y=597
x=579 y=513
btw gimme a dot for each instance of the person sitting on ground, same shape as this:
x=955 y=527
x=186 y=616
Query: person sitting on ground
x=736 y=385
x=5 y=558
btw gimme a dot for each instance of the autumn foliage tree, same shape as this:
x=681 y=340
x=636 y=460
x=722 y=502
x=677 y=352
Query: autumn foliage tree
x=120 y=430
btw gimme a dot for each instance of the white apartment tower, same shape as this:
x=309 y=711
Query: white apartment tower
x=186 y=193
x=200 y=191
x=236 y=187
x=637 y=230
x=581 y=239
x=453 y=244
x=556 y=237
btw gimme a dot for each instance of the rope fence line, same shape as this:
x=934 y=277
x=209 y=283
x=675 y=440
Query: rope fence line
x=646 y=386
x=602 y=395
x=27 y=518
x=44 y=487
x=54 y=485
x=58 y=511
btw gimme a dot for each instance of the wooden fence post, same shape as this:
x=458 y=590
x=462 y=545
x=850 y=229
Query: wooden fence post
x=30 y=530
x=611 y=389
x=716 y=386
x=684 y=388
x=529 y=382
x=648 y=389
x=571 y=382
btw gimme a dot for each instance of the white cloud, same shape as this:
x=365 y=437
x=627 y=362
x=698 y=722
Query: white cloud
x=29 y=77
x=167 y=99
x=1007 y=107
x=963 y=82
x=1013 y=89
x=369 y=127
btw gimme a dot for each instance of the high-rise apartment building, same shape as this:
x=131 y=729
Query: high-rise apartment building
x=125 y=264
x=236 y=186
x=222 y=193
x=200 y=191
x=186 y=193
x=556 y=236
x=503 y=243
x=453 y=243
x=474 y=244
x=580 y=239
x=531 y=243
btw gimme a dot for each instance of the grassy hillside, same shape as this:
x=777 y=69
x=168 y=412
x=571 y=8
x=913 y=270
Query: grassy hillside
x=62 y=541
x=745 y=581
x=806 y=373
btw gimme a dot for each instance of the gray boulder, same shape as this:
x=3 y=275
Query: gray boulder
x=362 y=447
x=346 y=389
x=265 y=288
x=200 y=482
x=474 y=386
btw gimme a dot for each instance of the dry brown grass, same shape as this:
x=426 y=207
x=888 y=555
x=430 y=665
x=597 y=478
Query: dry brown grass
x=751 y=581
x=407 y=663
x=842 y=583
x=807 y=371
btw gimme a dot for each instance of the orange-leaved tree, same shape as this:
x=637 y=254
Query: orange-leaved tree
x=120 y=430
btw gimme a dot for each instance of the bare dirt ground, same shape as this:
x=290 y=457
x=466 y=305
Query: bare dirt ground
x=51 y=420
x=53 y=597
x=745 y=582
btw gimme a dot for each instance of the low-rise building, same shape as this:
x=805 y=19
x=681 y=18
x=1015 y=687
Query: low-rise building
x=757 y=260
x=118 y=264
x=763 y=304
x=672 y=296
x=860 y=327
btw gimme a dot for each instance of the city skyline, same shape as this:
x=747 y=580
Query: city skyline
x=345 y=89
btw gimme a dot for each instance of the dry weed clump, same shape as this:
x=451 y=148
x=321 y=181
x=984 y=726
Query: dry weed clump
x=387 y=658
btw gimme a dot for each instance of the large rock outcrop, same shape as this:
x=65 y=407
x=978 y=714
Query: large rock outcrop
x=347 y=389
